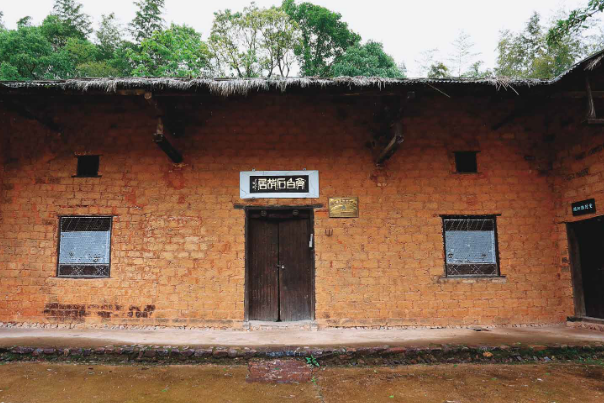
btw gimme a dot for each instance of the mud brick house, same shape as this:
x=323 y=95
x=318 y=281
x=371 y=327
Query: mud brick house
x=347 y=202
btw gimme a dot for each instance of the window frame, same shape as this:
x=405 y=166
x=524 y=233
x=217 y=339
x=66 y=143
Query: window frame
x=466 y=152
x=492 y=217
x=59 y=231
x=78 y=157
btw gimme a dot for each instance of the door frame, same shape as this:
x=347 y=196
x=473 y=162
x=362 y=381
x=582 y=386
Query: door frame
x=248 y=209
x=575 y=266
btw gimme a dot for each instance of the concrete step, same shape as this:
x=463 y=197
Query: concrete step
x=270 y=326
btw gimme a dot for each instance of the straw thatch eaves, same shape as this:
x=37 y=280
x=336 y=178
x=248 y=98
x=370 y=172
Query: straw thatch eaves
x=229 y=87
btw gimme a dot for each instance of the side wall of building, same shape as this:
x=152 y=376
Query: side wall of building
x=578 y=172
x=178 y=242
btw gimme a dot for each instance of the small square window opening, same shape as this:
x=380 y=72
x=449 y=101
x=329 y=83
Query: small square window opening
x=470 y=246
x=88 y=166
x=465 y=162
x=84 y=246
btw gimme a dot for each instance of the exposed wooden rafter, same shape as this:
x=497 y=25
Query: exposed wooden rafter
x=161 y=137
x=165 y=145
x=592 y=118
x=392 y=146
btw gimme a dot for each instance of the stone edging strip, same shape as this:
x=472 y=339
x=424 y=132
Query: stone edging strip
x=384 y=355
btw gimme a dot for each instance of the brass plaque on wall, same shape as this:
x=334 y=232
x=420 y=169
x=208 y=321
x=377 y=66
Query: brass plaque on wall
x=343 y=207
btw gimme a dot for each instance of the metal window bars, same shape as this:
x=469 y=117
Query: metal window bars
x=470 y=246
x=84 y=247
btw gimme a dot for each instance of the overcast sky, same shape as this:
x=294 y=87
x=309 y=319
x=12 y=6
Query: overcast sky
x=406 y=28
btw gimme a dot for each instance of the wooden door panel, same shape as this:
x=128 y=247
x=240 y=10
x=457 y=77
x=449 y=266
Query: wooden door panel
x=263 y=288
x=295 y=278
x=590 y=236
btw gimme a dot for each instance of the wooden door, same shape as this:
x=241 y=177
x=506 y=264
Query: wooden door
x=263 y=280
x=590 y=239
x=280 y=265
x=295 y=280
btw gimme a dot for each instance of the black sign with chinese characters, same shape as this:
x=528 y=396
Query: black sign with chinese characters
x=584 y=207
x=279 y=184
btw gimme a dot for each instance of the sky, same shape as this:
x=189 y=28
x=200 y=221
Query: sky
x=406 y=28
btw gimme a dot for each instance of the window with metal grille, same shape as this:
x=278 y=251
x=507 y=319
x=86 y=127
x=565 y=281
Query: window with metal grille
x=470 y=246
x=84 y=246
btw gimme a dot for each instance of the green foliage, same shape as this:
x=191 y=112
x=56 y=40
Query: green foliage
x=312 y=361
x=109 y=36
x=148 y=19
x=528 y=54
x=325 y=37
x=98 y=69
x=574 y=22
x=254 y=42
x=56 y=32
x=438 y=70
x=174 y=52
x=462 y=55
x=280 y=35
x=69 y=13
x=475 y=71
x=234 y=41
x=2 y=27
x=26 y=54
x=368 y=60
x=24 y=22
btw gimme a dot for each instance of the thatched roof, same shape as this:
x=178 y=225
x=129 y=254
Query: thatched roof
x=228 y=87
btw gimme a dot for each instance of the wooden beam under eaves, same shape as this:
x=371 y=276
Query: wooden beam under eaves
x=164 y=144
x=392 y=146
x=591 y=108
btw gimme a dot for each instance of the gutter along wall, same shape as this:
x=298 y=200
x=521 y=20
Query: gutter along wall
x=178 y=245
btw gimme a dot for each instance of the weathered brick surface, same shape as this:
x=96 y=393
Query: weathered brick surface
x=178 y=242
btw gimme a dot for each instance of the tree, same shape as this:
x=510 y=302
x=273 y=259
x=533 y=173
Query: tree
x=26 y=54
x=235 y=41
x=574 y=22
x=2 y=21
x=475 y=71
x=24 y=22
x=368 y=60
x=109 y=36
x=438 y=70
x=254 y=42
x=529 y=55
x=69 y=13
x=462 y=55
x=426 y=61
x=174 y=52
x=279 y=37
x=148 y=19
x=325 y=37
x=57 y=32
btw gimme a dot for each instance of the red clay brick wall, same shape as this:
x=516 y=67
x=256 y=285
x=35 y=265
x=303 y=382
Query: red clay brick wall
x=178 y=242
x=579 y=174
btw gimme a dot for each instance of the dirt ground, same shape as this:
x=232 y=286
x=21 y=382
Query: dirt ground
x=42 y=382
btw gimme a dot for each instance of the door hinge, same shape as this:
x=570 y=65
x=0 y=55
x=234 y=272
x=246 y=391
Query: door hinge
x=310 y=242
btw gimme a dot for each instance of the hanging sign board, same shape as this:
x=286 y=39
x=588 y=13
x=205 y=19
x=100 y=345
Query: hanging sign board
x=584 y=207
x=279 y=184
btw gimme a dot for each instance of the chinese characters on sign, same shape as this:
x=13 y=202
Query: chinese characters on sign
x=584 y=207
x=279 y=184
